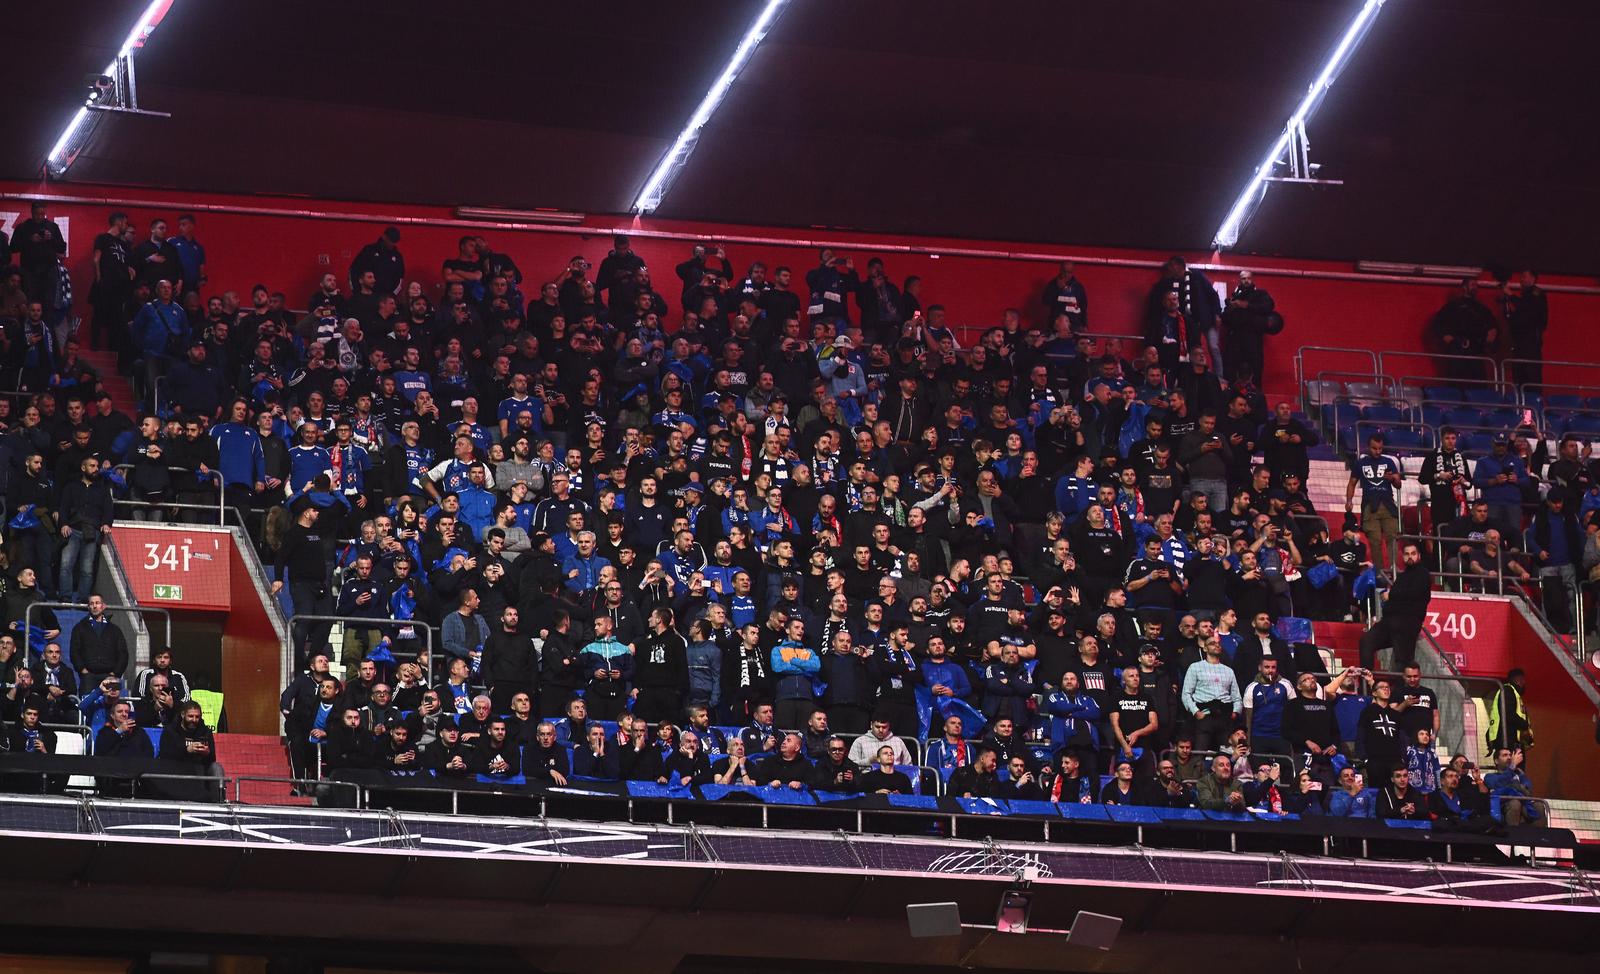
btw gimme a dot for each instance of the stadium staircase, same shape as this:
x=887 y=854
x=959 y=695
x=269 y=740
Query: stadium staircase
x=256 y=756
x=115 y=382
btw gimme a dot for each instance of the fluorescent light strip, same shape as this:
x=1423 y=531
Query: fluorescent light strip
x=650 y=197
x=1228 y=233
x=57 y=162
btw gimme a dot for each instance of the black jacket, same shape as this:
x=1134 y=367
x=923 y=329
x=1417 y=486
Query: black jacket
x=644 y=764
x=510 y=657
x=345 y=748
x=968 y=780
x=558 y=663
x=485 y=755
x=784 y=771
x=86 y=507
x=662 y=662
x=841 y=775
x=110 y=744
x=679 y=766
x=175 y=739
x=99 y=647
x=1410 y=594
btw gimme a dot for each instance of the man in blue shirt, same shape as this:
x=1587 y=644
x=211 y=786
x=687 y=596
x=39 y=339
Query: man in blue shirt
x=1264 y=702
x=581 y=569
x=307 y=459
x=240 y=456
x=410 y=378
x=191 y=254
x=1556 y=540
x=159 y=327
x=1378 y=475
x=1501 y=476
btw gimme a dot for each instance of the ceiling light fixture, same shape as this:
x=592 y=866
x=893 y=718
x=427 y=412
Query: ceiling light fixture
x=1245 y=206
x=112 y=90
x=497 y=215
x=1452 y=271
x=672 y=163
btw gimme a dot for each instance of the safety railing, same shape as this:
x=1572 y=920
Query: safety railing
x=78 y=730
x=1287 y=763
x=1507 y=368
x=138 y=611
x=1490 y=367
x=1306 y=351
x=424 y=630
x=218 y=510
x=1439 y=549
x=210 y=786
x=1439 y=669
x=1319 y=393
x=307 y=787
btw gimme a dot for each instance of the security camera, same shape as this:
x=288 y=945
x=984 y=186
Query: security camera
x=100 y=86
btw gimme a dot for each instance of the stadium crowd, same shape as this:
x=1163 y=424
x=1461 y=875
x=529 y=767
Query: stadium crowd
x=584 y=525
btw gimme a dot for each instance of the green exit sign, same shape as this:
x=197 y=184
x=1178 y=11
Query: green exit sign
x=169 y=593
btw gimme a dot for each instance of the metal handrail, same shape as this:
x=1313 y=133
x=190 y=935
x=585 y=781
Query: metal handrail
x=222 y=491
x=365 y=622
x=239 y=780
x=79 y=729
x=1422 y=381
x=1300 y=357
x=1490 y=366
x=213 y=778
x=1449 y=664
x=1328 y=375
x=1545 y=363
x=133 y=610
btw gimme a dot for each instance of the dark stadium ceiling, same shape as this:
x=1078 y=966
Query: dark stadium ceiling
x=1463 y=129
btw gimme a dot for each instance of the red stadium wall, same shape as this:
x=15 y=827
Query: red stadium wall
x=283 y=243
x=251 y=655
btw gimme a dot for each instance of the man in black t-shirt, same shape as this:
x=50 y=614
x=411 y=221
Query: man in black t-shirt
x=113 y=283
x=1133 y=719
x=1417 y=705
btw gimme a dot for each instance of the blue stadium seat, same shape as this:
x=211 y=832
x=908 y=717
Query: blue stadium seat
x=1555 y=419
x=1489 y=397
x=1408 y=438
x=1382 y=413
x=1462 y=416
x=1433 y=415
x=1442 y=393
x=1323 y=391
x=1474 y=444
x=1562 y=401
x=1507 y=418
x=1347 y=438
x=1584 y=424
x=1341 y=414
x=1367 y=390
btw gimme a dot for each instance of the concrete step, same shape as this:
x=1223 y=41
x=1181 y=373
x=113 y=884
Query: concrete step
x=256 y=756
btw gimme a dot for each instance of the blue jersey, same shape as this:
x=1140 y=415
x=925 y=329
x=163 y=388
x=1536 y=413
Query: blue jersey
x=457 y=477
x=419 y=459
x=742 y=610
x=239 y=453
x=306 y=463
x=350 y=465
x=411 y=383
x=1266 y=701
x=510 y=407
x=672 y=418
x=1372 y=473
